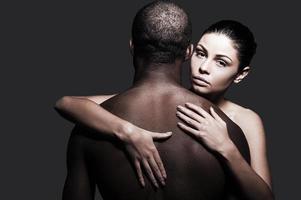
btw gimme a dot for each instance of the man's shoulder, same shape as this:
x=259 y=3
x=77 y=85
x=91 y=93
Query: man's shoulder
x=185 y=95
x=176 y=93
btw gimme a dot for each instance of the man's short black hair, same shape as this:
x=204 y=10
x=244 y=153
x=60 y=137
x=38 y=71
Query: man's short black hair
x=161 y=32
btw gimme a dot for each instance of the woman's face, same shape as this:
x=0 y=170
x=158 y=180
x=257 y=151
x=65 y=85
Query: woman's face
x=214 y=64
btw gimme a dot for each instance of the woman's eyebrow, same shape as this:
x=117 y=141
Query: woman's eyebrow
x=221 y=55
x=218 y=55
x=203 y=48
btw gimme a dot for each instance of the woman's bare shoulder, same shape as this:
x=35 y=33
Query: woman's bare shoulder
x=246 y=118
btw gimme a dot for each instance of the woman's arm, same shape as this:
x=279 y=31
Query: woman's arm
x=87 y=112
x=212 y=131
x=138 y=142
x=253 y=128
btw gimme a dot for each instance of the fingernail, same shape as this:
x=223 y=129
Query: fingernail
x=163 y=182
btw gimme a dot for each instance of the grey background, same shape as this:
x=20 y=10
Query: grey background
x=50 y=49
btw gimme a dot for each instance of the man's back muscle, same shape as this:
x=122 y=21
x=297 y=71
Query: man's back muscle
x=193 y=172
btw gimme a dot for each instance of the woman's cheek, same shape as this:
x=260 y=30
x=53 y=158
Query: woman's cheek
x=193 y=66
x=221 y=82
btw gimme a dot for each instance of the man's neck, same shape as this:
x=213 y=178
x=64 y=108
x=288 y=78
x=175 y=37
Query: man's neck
x=157 y=74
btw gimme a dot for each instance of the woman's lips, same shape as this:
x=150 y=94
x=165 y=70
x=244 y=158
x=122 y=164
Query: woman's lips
x=200 y=81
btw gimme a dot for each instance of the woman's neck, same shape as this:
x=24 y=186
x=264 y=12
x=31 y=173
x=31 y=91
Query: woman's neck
x=218 y=99
x=222 y=103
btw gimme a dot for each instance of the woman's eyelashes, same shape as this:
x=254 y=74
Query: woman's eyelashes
x=222 y=63
x=200 y=53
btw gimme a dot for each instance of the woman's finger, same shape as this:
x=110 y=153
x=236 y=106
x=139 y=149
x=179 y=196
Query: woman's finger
x=139 y=173
x=150 y=173
x=160 y=164
x=198 y=110
x=216 y=116
x=190 y=113
x=189 y=129
x=156 y=169
x=157 y=136
x=188 y=120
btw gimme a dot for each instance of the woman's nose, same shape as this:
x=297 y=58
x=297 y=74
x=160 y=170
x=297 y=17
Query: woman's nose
x=204 y=67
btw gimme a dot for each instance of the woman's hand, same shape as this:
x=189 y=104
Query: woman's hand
x=143 y=152
x=211 y=130
x=207 y=127
x=138 y=142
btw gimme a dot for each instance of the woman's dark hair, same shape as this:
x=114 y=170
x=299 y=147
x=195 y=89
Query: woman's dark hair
x=161 y=32
x=241 y=36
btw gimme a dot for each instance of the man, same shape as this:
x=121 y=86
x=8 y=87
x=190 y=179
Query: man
x=160 y=43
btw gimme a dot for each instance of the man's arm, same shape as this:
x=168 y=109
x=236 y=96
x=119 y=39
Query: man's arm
x=79 y=184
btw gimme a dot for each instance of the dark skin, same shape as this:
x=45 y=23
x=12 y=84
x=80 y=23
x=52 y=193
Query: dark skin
x=194 y=172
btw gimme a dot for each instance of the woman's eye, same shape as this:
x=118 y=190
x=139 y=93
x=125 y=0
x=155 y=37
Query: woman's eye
x=222 y=63
x=200 y=54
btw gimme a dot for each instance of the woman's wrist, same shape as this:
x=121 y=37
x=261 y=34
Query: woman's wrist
x=124 y=131
x=229 y=151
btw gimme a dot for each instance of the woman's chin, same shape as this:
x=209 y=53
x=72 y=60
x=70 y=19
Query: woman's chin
x=200 y=89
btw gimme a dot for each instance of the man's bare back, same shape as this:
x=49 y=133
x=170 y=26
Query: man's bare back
x=193 y=172
x=161 y=36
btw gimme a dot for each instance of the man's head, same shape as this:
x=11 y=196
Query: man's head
x=161 y=32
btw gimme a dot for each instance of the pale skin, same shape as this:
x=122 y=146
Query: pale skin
x=214 y=67
x=221 y=71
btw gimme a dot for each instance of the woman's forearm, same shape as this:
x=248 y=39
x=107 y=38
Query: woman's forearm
x=91 y=115
x=138 y=142
x=250 y=185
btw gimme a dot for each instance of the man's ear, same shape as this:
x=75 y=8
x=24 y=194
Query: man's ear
x=189 y=52
x=242 y=74
x=131 y=47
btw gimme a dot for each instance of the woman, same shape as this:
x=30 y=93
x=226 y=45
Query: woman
x=221 y=57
